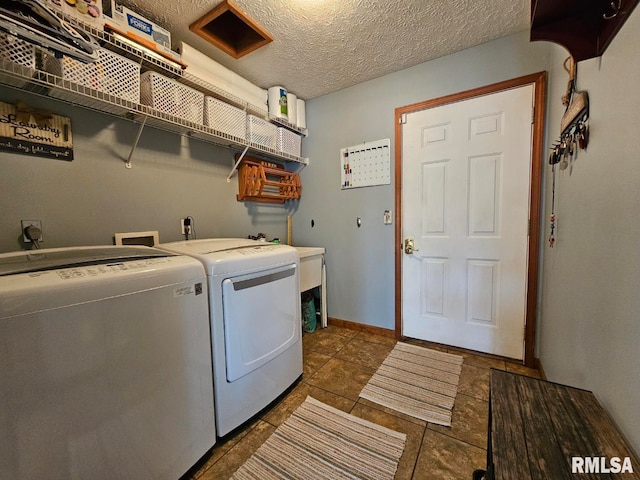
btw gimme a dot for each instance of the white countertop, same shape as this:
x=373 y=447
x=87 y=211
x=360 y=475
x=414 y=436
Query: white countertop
x=309 y=251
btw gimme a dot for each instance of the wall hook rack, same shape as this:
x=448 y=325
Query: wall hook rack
x=616 y=9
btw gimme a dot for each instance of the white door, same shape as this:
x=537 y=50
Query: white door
x=466 y=170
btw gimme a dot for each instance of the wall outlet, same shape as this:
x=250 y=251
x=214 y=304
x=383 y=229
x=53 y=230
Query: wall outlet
x=29 y=223
x=185 y=226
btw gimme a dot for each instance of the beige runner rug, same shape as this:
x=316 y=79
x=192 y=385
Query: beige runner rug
x=321 y=442
x=417 y=381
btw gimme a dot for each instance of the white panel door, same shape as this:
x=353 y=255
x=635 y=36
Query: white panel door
x=466 y=170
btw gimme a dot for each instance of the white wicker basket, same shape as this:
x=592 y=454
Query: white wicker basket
x=18 y=57
x=171 y=97
x=261 y=132
x=225 y=118
x=288 y=142
x=14 y=50
x=111 y=74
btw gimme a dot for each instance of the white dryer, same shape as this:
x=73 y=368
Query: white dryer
x=105 y=364
x=254 y=303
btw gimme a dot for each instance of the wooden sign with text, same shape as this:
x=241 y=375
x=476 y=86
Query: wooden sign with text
x=30 y=131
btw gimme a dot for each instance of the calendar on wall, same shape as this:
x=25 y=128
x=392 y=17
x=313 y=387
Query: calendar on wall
x=366 y=165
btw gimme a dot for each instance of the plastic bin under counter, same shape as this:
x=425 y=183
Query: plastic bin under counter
x=313 y=274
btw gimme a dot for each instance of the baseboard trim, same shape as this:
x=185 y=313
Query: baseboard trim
x=361 y=327
x=538 y=365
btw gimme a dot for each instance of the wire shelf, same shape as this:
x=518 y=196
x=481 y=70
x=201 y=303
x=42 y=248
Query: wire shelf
x=45 y=84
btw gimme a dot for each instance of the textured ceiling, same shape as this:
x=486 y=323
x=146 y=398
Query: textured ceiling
x=321 y=46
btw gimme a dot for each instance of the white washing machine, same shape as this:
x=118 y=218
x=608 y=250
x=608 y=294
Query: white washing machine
x=105 y=364
x=254 y=302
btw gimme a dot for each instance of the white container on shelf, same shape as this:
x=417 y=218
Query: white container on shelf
x=225 y=118
x=301 y=114
x=277 y=101
x=261 y=132
x=288 y=142
x=292 y=108
x=111 y=74
x=171 y=97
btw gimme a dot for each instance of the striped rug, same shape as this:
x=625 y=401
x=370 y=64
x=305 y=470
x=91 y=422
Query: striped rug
x=417 y=381
x=321 y=442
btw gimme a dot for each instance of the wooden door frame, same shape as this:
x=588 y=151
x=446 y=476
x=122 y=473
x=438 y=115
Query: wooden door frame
x=539 y=82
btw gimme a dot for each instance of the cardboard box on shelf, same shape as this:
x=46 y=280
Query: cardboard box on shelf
x=143 y=31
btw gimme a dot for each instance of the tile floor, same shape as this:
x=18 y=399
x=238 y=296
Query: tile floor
x=338 y=362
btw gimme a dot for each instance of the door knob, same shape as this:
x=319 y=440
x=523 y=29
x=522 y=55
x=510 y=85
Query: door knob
x=409 y=246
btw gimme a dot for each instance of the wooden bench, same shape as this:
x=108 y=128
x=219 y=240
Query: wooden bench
x=540 y=430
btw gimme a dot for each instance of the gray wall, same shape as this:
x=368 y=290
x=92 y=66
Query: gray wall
x=360 y=261
x=589 y=326
x=86 y=201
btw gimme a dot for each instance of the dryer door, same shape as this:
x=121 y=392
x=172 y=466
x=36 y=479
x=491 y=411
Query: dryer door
x=261 y=318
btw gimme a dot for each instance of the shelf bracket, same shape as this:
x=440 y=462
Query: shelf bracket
x=235 y=167
x=127 y=164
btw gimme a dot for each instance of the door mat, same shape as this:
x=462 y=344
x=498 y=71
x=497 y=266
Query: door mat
x=321 y=442
x=417 y=381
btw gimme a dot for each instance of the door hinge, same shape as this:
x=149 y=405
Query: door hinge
x=528 y=228
x=533 y=114
x=403 y=119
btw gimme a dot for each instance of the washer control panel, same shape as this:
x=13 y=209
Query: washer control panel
x=108 y=268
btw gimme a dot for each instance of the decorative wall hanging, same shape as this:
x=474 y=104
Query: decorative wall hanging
x=574 y=134
x=30 y=131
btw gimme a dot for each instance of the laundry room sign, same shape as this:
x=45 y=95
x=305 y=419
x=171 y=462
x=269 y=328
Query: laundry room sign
x=31 y=131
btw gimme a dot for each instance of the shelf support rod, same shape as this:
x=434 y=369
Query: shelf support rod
x=127 y=164
x=235 y=167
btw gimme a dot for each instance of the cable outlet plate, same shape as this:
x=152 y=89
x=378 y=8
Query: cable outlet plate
x=28 y=223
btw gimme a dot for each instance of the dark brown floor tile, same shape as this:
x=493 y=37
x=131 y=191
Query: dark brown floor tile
x=414 y=436
x=239 y=453
x=478 y=360
x=222 y=446
x=474 y=382
x=446 y=458
x=345 y=332
x=373 y=338
x=522 y=370
x=365 y=353
x=312 y=363
x=342 y=378
x=324 y=342
x=278 y=414
x=469 y=422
